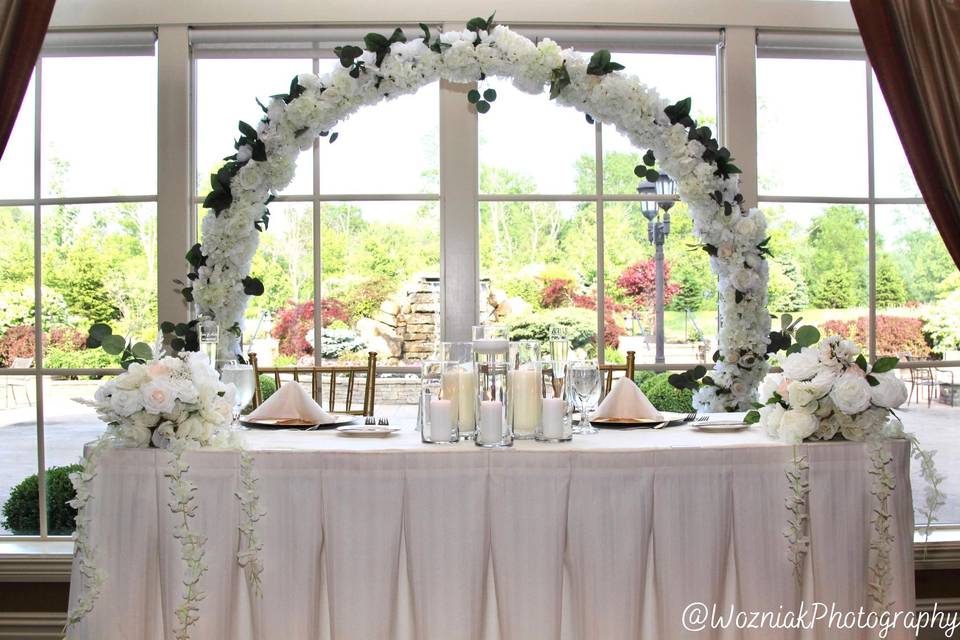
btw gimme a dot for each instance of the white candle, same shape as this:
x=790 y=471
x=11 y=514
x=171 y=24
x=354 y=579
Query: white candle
x=460 y=386
x=491 y=345
x=491 y=421
x=441 y=420
x=553 y=418
x=525 y=398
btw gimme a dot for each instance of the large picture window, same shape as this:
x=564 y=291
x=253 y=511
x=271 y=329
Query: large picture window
x=78 y=209
x=855 y=250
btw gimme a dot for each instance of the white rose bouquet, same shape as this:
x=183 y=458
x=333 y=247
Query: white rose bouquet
x=828 y=390
x=167 y=401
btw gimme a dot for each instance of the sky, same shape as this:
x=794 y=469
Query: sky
x=812 y=121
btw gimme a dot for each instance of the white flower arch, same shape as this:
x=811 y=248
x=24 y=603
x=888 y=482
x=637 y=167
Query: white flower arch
x=391 y=67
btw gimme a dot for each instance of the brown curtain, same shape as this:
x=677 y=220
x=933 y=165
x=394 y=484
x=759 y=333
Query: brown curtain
x=914 y=47
x=23 y=23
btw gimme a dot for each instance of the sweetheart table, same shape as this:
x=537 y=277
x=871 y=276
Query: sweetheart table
x=610 y=536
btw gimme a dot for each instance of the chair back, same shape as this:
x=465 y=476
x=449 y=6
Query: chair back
x=367 y=373
x=21 y=363
x=607 y=371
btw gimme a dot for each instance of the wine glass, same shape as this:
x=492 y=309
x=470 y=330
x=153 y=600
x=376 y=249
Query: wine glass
x=583 y=376
x=241 y=376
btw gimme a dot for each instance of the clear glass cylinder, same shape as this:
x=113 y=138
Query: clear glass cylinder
x=493 y=424
x=460 y=384
x=524 y=351
x=208 y=334
x=525 y=399
x=437 y=411
x=556 y=417
x=490 y=340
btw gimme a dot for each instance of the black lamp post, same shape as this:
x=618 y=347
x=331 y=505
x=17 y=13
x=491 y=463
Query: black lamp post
x=657 y=232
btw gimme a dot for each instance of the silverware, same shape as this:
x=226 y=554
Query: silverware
x=368 y=420
x=383 y=422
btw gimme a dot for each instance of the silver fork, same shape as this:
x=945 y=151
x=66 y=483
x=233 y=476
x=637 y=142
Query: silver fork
x=383 y=422
x=369 y=420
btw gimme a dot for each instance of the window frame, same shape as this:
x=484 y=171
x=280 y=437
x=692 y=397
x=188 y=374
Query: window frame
x=93 y=44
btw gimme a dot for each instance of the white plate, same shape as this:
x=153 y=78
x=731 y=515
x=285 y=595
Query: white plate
x=717 y=426
x=368 y=431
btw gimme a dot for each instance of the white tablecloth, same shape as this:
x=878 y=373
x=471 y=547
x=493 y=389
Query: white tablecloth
x=607 y=537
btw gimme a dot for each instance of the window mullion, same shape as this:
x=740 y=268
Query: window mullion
x=601 y=284
x=459 y=213
x=738 y=94
x=871 y=226
x=38 y=298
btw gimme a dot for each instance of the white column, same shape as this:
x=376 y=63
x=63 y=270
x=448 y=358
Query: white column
x=175 y=218
x=459 y=215
x=738 y=88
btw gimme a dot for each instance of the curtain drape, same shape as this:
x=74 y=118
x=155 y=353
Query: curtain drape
x=23 y=24
x=914 y=47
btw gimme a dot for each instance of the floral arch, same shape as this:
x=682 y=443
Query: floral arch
x=391 y=66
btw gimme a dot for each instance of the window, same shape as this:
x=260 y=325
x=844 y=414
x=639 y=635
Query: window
x=78 y=205
x=550 y=181
x=855 y=250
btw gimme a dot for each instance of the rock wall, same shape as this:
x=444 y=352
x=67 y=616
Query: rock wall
x=407 y=326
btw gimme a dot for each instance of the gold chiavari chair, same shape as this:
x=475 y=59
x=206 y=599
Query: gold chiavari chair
x=606 y=373
x=316 y=373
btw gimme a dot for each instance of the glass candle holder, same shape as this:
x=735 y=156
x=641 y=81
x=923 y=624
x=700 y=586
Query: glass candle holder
x=493 y=424
x=490 y=341
x=556 y=419
x=208 y=333
x=437 y=413
x=460 y=385
x=525 y=398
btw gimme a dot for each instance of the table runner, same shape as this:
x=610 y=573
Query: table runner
x=610 y=536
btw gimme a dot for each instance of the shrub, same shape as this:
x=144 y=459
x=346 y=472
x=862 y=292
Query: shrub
x=16 y=342
x=21 y=513
x=895 y=334
x=56 y=358
x=942 y=324
x=364 y=298
x=524 y=287
x=337 y=342
x=612 y=356
x=665 y=396
x=295 y=320
x=639 y=281
x=267 y=388
x=67 y=339
x=581 y=326
x=556 y=293
x=611 y=330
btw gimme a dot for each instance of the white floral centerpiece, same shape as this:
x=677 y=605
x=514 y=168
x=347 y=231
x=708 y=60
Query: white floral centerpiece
x=830 y=389
x=176 y=404
x=168 y=402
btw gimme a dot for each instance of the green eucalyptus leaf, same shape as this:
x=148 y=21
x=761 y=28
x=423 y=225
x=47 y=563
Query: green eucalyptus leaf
x=752 y=417
x=807 y=335
x=142 y=350
x=652 y=175
x=873 y=382
x=375 y=41
x=100 y=331
x=861 y=362
x=490 y=95
x=114 y=345
x=483 y=106
x=473 y=96
x=167 y=327
x=884 y=364
x=649 y=159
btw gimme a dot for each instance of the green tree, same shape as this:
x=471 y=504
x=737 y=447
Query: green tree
x=787 y=288
x=79 y=275
x=837 y=268
x=923 y=261
x=891 y=290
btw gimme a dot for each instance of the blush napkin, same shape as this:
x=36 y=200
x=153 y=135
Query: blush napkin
x=625 y=400
x=291 y=402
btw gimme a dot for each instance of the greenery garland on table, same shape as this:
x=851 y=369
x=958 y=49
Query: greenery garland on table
x=389 y=65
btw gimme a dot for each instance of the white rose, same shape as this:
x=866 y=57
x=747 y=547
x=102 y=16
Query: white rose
x=125 y=402
x=192 y=427
x=801 y=394
x=824 y=380
x=725 y=250
x=746 y=226
x=801 y=365
x=851 y=393
x=145 y=420
x=769 y=386
x=135 y=435
x=890 y=393
x=796 y=426
x=745 y=279
x=158 y=396
x=770 y=418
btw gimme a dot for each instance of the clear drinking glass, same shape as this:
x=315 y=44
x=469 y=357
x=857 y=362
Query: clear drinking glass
x=438 y=414
x=583 y=376
x=241 y=376
x=209 y=335
x=559 y=347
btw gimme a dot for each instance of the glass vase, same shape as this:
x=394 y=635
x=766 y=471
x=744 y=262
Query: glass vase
x=493 y=423
x=437 y=411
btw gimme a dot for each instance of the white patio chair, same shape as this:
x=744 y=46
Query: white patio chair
x=12 y=383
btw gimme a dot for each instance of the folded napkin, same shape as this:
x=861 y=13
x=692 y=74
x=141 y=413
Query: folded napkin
x=291 y=402
x=625 y=400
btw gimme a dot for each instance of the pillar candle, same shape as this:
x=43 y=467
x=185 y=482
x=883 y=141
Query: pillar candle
x=553 y=418
x=525 y=399
x=460 y=386
x=441 y=420
x=491 y=345
x=491 y=421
